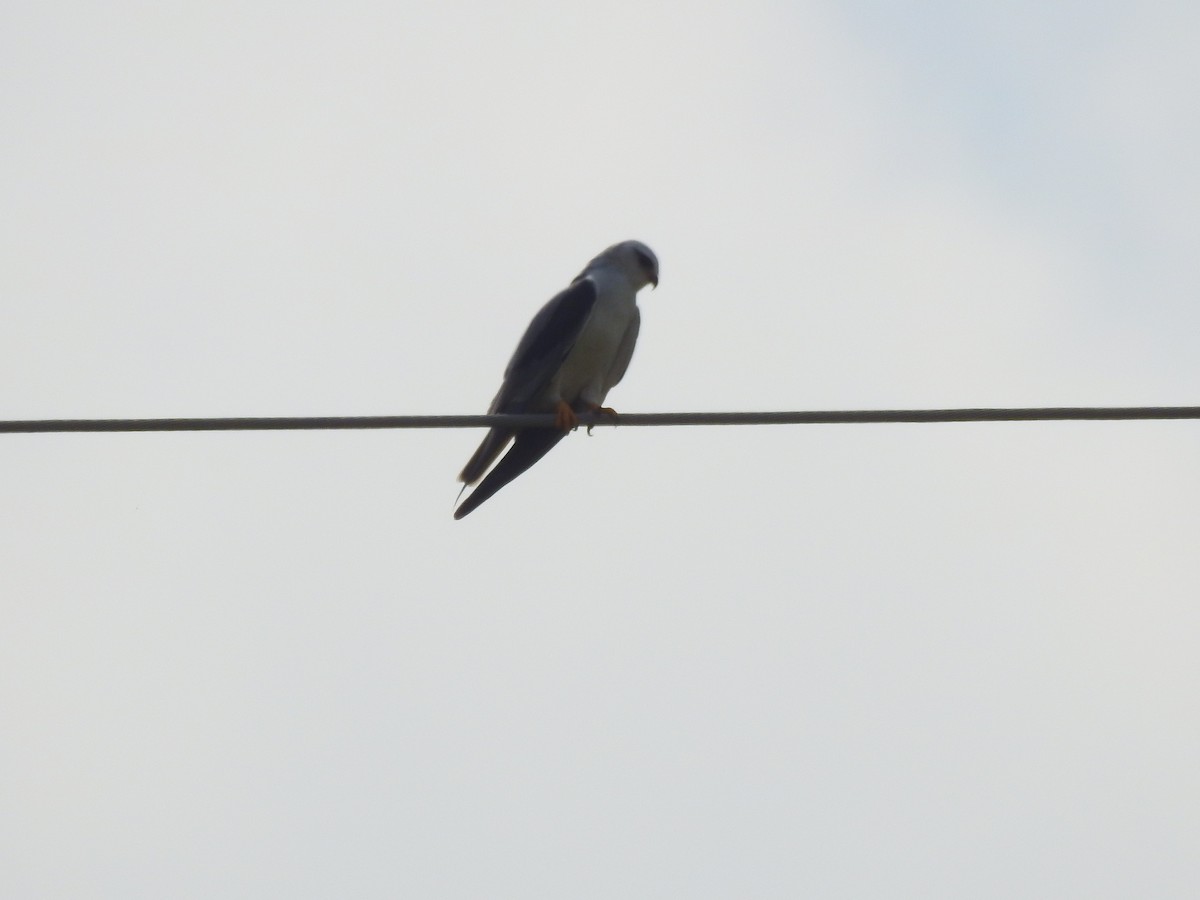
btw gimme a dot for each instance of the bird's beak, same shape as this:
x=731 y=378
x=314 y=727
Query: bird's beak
x=654 y=281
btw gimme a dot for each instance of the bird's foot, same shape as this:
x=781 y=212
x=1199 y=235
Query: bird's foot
x=597 y=410
x=564 y=417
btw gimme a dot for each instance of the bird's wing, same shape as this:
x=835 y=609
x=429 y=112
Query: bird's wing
x=544 y=346
x=546 y=343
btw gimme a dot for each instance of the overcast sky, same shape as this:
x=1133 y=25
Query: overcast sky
x=927 y=661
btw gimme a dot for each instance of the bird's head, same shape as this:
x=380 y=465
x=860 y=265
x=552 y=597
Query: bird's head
x=634 y=259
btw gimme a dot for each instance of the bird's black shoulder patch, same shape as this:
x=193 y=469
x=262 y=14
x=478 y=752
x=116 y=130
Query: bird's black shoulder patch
x=554 y=329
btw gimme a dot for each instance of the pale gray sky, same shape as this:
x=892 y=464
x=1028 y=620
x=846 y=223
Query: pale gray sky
x=901 y=661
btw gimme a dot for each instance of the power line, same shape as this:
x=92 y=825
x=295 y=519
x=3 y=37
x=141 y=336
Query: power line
x=829 y=417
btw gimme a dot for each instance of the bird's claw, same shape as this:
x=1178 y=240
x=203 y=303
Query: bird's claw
x=597 y=410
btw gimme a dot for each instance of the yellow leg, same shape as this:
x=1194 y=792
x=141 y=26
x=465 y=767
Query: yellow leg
x=564 y=417
x=597 y=409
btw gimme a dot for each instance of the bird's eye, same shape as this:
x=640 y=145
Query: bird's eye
x=644 y=260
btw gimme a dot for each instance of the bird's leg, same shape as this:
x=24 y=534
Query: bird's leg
x=597 y=410
x=564 y=417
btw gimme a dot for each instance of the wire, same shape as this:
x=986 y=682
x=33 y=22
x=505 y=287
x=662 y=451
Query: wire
x=832 y=417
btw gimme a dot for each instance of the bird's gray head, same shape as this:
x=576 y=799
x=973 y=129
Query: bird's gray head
x=635 y=260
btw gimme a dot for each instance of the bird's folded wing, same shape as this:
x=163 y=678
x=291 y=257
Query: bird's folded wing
x=546 y=343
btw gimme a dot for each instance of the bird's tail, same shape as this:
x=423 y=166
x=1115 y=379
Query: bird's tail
x=493 y=444
x=530 y=445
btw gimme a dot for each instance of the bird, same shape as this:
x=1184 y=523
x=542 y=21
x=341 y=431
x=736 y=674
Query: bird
x=574 y=351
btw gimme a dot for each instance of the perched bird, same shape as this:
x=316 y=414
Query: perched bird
x=573 y=352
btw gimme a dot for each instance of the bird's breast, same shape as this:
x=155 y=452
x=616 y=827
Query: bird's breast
x=596 y=347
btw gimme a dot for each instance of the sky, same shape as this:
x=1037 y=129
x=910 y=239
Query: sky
x=838 y=661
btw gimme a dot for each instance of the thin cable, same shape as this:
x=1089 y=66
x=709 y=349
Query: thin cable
x=832 y=417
